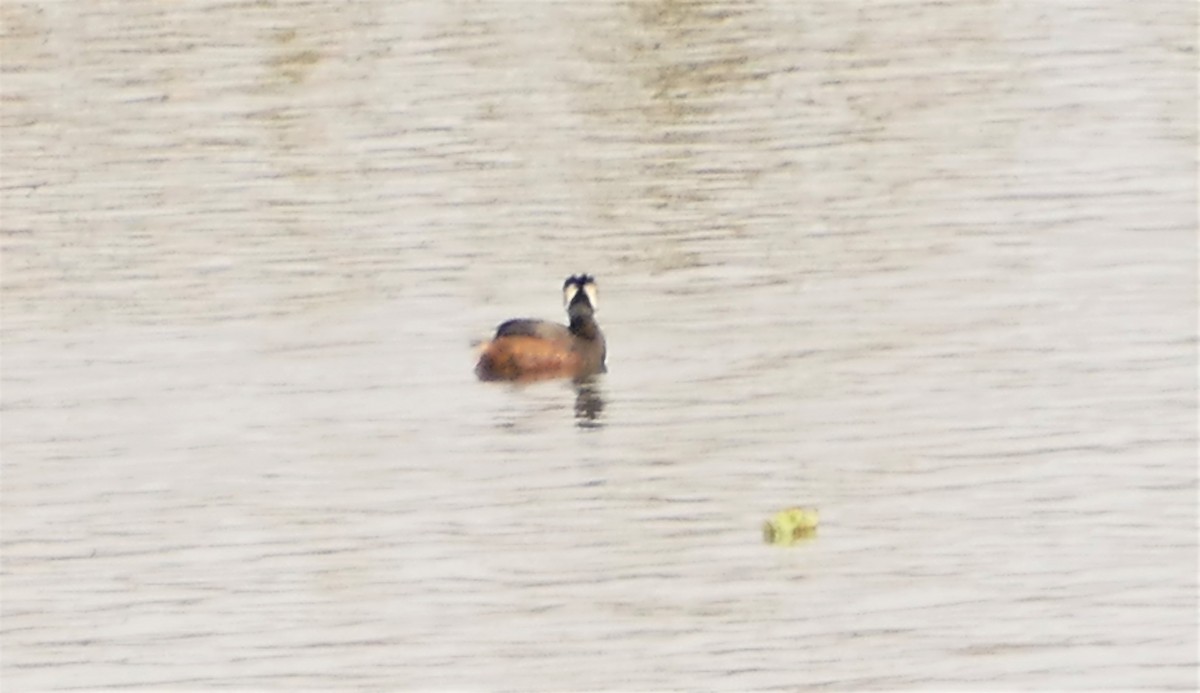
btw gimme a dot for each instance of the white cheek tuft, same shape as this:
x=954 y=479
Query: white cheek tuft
x=569 y=292
x=590 y=290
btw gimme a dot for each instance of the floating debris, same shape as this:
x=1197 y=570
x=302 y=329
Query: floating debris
x=790 y=526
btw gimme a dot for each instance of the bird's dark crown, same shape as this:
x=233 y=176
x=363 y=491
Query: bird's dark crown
x=579 y=280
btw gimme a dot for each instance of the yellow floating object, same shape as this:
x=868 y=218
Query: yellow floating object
x=789 y=526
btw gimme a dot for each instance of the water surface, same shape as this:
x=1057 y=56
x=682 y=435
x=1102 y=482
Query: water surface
x=929 y=268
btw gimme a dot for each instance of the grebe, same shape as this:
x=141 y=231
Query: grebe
x=526 y=349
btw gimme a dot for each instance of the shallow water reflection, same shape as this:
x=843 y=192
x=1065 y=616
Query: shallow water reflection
x=589 y=403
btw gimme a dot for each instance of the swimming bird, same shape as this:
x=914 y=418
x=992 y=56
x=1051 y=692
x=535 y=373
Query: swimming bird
x=527 y=349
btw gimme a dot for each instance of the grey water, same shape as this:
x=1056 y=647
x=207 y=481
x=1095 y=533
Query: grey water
x=927 y=267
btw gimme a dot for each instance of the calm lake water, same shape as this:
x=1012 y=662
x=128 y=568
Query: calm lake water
x=928 y=267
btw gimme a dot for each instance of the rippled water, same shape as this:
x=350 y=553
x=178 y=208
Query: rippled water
x=930 y=268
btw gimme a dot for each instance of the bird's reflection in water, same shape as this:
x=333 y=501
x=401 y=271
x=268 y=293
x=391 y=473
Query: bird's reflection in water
x=589 y=404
